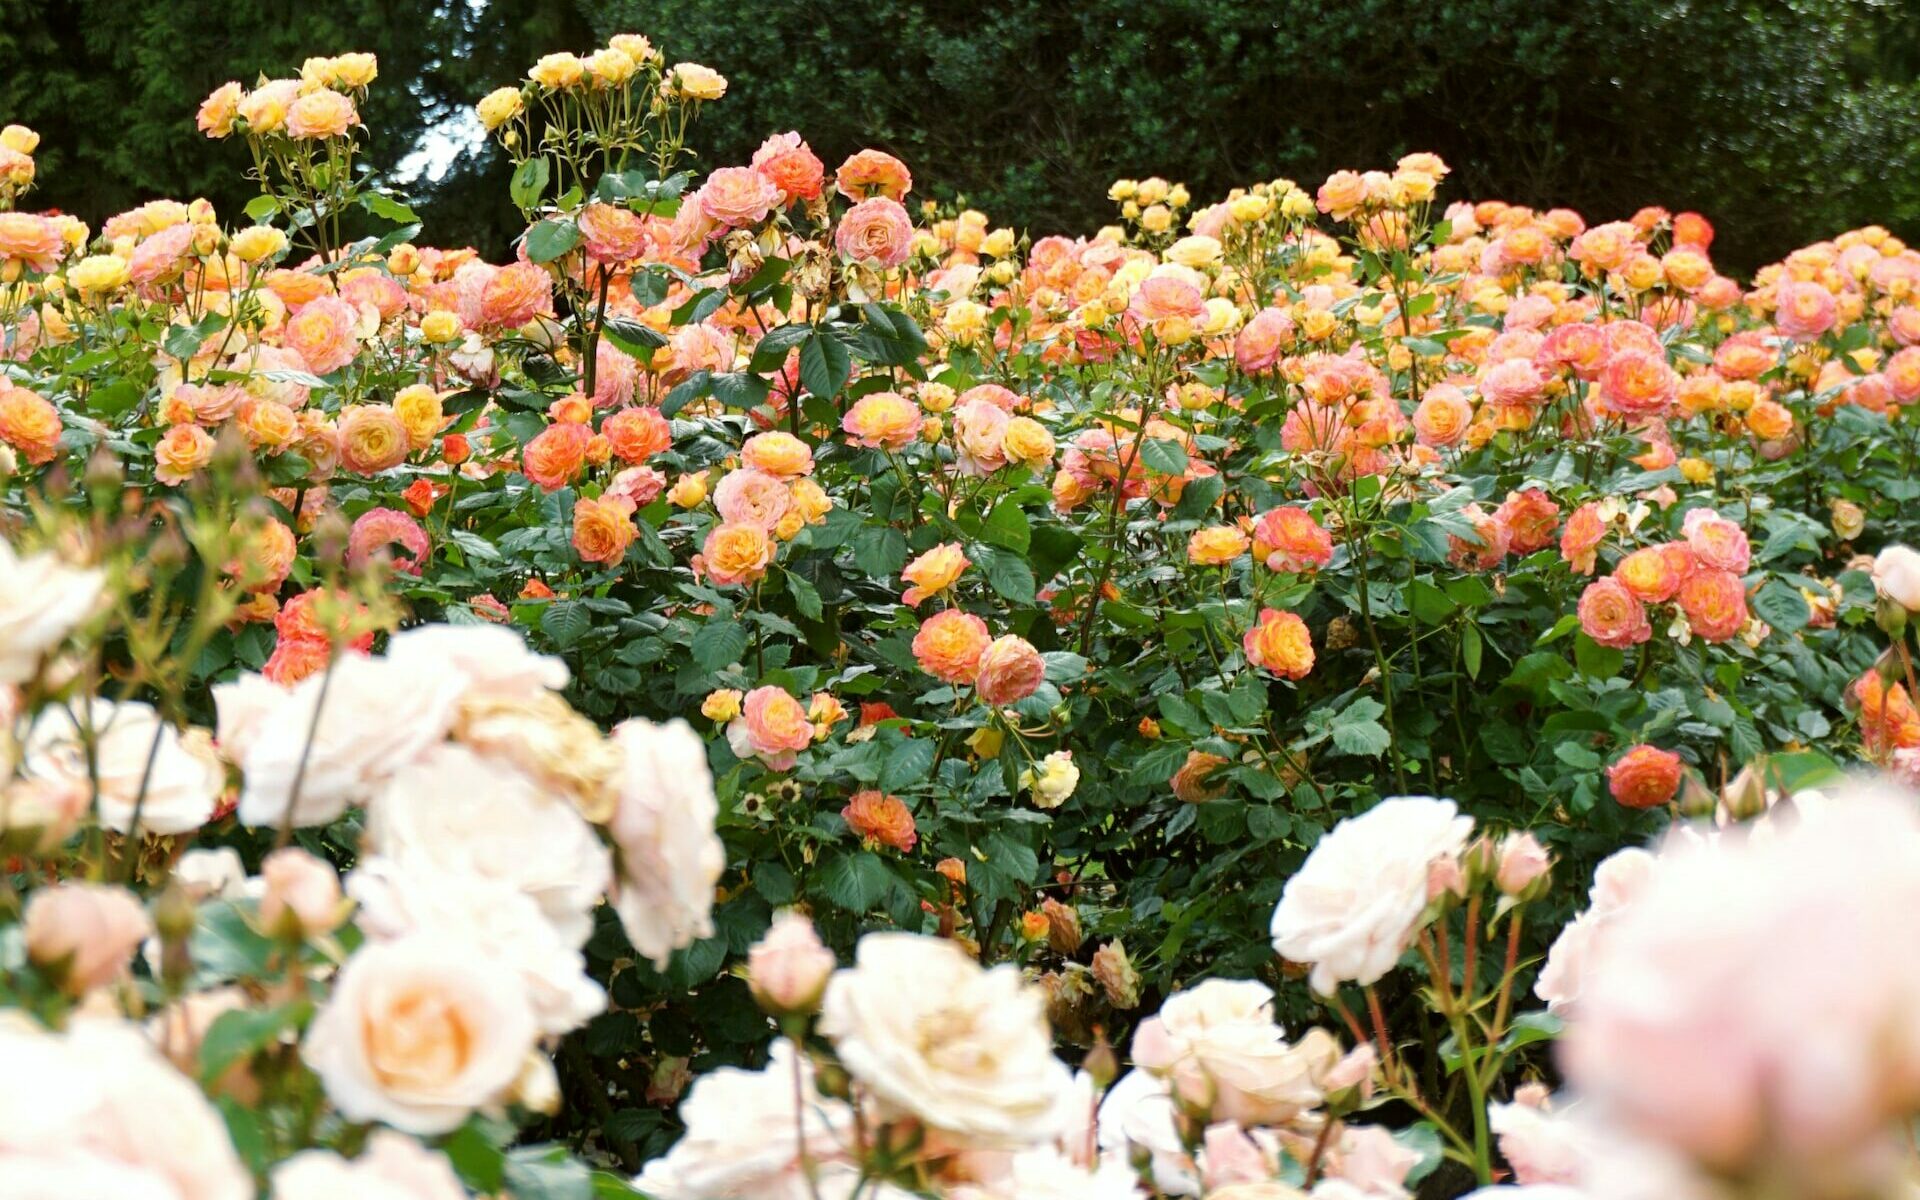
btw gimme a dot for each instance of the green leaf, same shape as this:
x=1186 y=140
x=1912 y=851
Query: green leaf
x=1530 y=1027
x=566 y=622
x=908 y=764
x=1365 y=738
x=718 y=643
x=1782 y=606
x=551 y=239
x=386 y=207
x=1470 y=647
x=825 y=365
x=772 y=350
x=1596 y=661
x=888 y=336
x=529 y=183
x=241 y=1033
x=1007 y=573
x=739 y=389
x=547 y=1173
x=1164 y=456
x=854 y=882
x=260 y=208
x=184 y=341
x=1429 y=604
x=880 y=551
x=633 y=337
x=806 y=598
x=1008 y=526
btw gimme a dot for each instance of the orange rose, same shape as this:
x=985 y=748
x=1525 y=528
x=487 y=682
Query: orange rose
x=1644 y=777
x=602 y=529
x=883 y=420
x=1715 y=603
x=1216 y=545
x=1009 y=670
x=881 y=819
x=555 y=455
x=949 y=645
x=29 y=424
x=183 y=451
x=778 y=454
x=372 y=439
x=737 y=554
x=637 y=434
x=933 y=572
x=1280 y=643
x=1612 y=616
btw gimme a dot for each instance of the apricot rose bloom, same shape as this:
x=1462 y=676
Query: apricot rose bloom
x=876 y=233
x=933 y=572
x=737 y=554
x=1216 y=545
x=1280 y=643
x=932 y=1035
x=670 y=858
x=1009 y=670
x=1644 y=777
x=1289 y=539
x=950 y=644
x=778 y=454
x=372 y=439
x=876 y=817
x=772 y=726
x=883 y=421
x=1219 y=1039
x=555 y=455
x=419 y=1033
x=602 y=529
x=1612 y=616
x=873 y=173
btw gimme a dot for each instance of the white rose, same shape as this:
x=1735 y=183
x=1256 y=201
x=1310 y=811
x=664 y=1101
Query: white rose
x=41 y=600
x=106 y=1110
x=1052 y=780
x=377 y=716
x=930 y=1033
x=1620 y=878
x=494 y=659
x=1138 y=1115
x=1896 y=575
x=211 y=874
x=743 y=1137
x=1219 y=1039
x=134 y=752
x=393 y=1167
x=461 y=814
x=419 y=1033
x=670 y=857
x=1047 y=1174
x=507 y=925
x=1354 y=905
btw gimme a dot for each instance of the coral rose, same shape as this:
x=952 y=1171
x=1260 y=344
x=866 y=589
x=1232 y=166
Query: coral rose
x=602 y=529
x=737 y=553
x=1644 y=777
x=875 y=233
x=876 y=817
x=949 y=646
x=933 y=572
x=1010 y=670
x=1612 y=616
x=1280 y=643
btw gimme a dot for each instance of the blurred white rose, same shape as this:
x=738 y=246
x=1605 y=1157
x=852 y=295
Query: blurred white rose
x=134 y=752
x=392 y=1167
x=41 y=600
x=663 y=825
x=1219 y=1039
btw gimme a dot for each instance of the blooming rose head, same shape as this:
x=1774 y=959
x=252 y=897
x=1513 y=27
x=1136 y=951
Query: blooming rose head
x=949 y=645
x=738 y=197
x=1357 y=901
x=555 y=455
x=737 y=554
x=1644 y=777
x=876 y=233
x=933 y=572
x=772 y=725
x=1010 y=669
x=1280 y=643
x=1289 y=539
x=1715 y=604
x=791 y=166
x=873 y=173
x=883 y=820
x=1612 y=616
x=83 y=935
x=603 y=528
x=788 y=968
x=372 y=439
x=883 y=420
x=302 y=895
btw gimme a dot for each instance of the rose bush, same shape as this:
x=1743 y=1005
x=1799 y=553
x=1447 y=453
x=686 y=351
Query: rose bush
x=456 y=714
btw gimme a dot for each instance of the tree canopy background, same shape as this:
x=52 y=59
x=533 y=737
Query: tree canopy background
x=1783 y=120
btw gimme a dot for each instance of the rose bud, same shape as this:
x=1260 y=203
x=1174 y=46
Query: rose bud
x=1523 y=867
x=787 y=969
x=82 y=935
x=302 y=897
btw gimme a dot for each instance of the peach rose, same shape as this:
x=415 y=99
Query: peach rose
x=737 y=197
x=949 y=646
x=1259 y=346
x=1531 y=518
x=1289 y=539
x=372 y=439
x=873 y=173
x=1644 y=777
x=1216 y=545
x=875 y=232
x=933 y=572
x=663 y=826
x=876 y=817
x=1715 y=603
x=883 y=420
x=377 y=531
x=302 y=895
x=737 y=553
x=789 y=165
x=419 y=1033
x=638 y=434
x=1443 y=415
x=602 y=529
x=321 y=114
x=1580 y=540
x=83 y=935
x=787 y=969
x=612 y=234
x=752 y=497
x=555 y=455
x=1717 y=542
x=1280 y=643
x=778 y=454
x=772 y=726
x=324 y=333
x=514 y=295
x=1009 y=670
x=1650 y=574
x=1612 y=616
x=1803 y=311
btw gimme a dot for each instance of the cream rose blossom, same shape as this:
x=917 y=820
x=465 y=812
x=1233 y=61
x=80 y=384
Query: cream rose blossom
x=1219 y=1039
x=1353 y=907
x=663 y=827
x=932 y=1034
x=419 y=1033
x=140 y=762
x=41 y=600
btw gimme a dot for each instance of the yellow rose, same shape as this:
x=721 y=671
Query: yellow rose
x=688 y=491
x=811 y=501
x=1216 y=546
x=1156 y=218
x=1027 y=441
x=1195 y=251
x=965 y=321
x=98 y=274
x=258 y=243
x=721 y=706
x=936 y=397
x=691 y=81
x=19 y=139
x=998 y=244
x=498 y=107
x=611 y=67
x=560 y=70
x=420 y=413
x=1151 y=190
x=440 y=327
x=1122 y=189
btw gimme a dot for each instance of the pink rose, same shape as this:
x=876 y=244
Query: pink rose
x=82 y=935
x=1010 y=670
x=788 y=968
x=875 y=232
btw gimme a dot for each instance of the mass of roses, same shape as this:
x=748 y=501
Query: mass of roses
x=785 y=689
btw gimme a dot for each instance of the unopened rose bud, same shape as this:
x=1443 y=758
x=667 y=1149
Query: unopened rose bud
x=1523 y=868
x=302 y=898
x=787 y=970
x=1849 y=520
x=1697 y=801
x=1745 y=797
x=1896 y=576
x=1101 y=1063
x=1063 y=927
x=537 y=1089
x=82 y=935
x=1445 y=880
